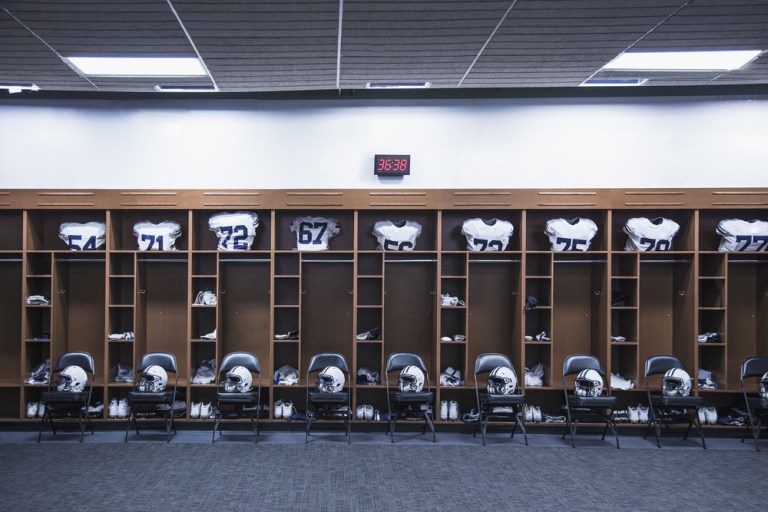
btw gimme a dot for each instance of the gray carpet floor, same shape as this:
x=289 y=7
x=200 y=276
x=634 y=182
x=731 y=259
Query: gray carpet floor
x=456 y=473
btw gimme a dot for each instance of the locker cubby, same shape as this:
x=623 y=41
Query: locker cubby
x=712 y=265
x=9 y=404
x=369 y=318
x=453 y=321
x=122 y=264
x=712 y=358
x=43 y=227
x=122 y=222
x=286 y=240
x=624 y=265
x=287 y=265
x=711 y=292
x=37 y=323
x=624 y=323
x=287 y=291
x=203 y=322
x=39 y=264
x=369 y=355
x=366 y=240
x=39 y=285
x=369 y=292
x=287 y=354
x=455 y=287
x=452 y=240
x=12 y=230
x=713 y=321
x=452 y=355
x=10 y=320
x=200 y=351
x=370 y=265
x=376 y=397
x=625 y=363
x=204 y=284
x=203 y=264
x=623 y=292
x=453 y=265
x=540 y=353
x=536 y=222
x=121 y=319
x=121 y=291
x=541 y=289
x=684 y=240
x=120 y=352
x=538 y=320
x=286 y=319
x=538 y=265
x=35 y=352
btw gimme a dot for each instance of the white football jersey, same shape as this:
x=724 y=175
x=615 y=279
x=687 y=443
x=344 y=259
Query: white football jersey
x=650 y=234
x=157 y=237
x=570 y=235
x=487 y=235
x=83 y=237
x=313 y=233
x=397 y=236
x=743 y=235
x=234 y=230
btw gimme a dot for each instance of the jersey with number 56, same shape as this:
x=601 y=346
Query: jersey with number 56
x=397 y=236
x=487 y=235
x=313 y=233
x=570 y=235
x=743 y=235
x=83 y=237
x=157 y=237
x=650 y=234
x=234 y=230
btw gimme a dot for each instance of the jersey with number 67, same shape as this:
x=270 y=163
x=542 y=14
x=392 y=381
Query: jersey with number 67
x=83 y=237
x=487 y=235
x=397 y=236
x=313 y=233
x=157 y=237
x=743 y=235
x=650 y=234
x=570 y=235
x=234 y=230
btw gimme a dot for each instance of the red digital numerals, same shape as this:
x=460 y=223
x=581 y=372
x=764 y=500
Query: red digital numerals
x=392 y=165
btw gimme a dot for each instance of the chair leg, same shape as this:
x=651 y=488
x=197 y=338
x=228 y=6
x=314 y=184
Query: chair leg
x=42 y=424
x=483 y=426
x=520 y=419
x=701 y=431
x=428 y=418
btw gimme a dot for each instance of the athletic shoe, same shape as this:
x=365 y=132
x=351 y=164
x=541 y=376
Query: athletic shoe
x=531 y=302
x=444 y=410
x=31 y=409
x=553 y=419
x=543 y=336
x=459 y=337
x=621 y=416
x=508 y=410
x=373 y=334
x=127 y=335
x=369 y=412
x=286 y=375
x=367 y=376
x=702 y=415
x=209 y=336
x=37 y=300
x=632 y=413
x=450 y=301
x=278 y=409
x=446 y=338
x=528 y=413
x=618 y=338
x=206 y=411
x=113 y=408
x=122 y=408
x=536 y=413
x=360 y=412
x=710 y=413
x=529 y=338
x=705 y=379
x=123 y=373
x=96 y=408
x=618 y=299
x=642 y=413
x=207 y=298
x=40 y=409
x=453 y=410
x=288 y=410
x=194 y=411
x=291 y=335
x=619 y=382
x=471 y=417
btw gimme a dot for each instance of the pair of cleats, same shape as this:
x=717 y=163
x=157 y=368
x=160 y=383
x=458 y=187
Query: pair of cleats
x=127 y=335
x=710 y=337
x=367 y=376
x=366 y=412
x=637 y=414
x=455 y=337
x=708 y=415
x=533 y=414
x=201 y=411
x=205 y=298
x=450 y=301
x=284 y=410
x=118 y=408
x=373 y=334
x=35 y=409
x=542 y=336
x=618 y=338
x=123 y=373
x=451 y=378
x=449 y=410
x=290 y=335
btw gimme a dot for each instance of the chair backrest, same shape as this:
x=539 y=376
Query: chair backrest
x=399 y=360
x=661 y=363
x=324 y=359
x=165 y=360
x=753 y=367
x=575 y=363
x=486 y=363
x=82 y=359
x=244 y=359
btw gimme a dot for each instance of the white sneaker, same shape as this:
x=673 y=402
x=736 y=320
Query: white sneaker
x=195 y=410
x=122 y=408
x=288 y=410
x=360 y=412
x=453 y=410
x=206 y=410
x=113 y=408
x=368 y=412
x=31 y=409
x=710 y=413
x=444 y=410
x=642 y=413
x=529 y=413
x=633 y=414
x=702 y=415
x=40 y=409
x=536 y=414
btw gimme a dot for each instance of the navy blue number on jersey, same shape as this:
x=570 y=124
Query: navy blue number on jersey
x=655 y=245
x=572 y=244
x=90 y=244
x=238 y=234
x=394 y=245
x=153 y=240
x=306 y=235
x=489 y=245
x=760 y=241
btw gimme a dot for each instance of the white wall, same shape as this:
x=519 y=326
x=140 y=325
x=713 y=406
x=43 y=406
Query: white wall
x=705 y=142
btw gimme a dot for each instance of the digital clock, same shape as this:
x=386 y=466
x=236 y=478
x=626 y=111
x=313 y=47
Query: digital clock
x=392 y=165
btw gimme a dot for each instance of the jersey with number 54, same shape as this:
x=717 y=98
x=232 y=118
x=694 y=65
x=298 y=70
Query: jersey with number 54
x=83 y=237
x=570 y=235
x=743 y=235
x=397 y=236
x=157 y=237
x=235 y=231
x=487 y=235
x=650 y=234
x=313 y=233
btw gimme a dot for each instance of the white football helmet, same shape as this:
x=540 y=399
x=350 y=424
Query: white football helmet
x=411 y=379
x=72 y=378
x=588 y=383
x=154 y=378
x=330 y=380
x=764 y=386
x=676 y=382
x=239 y=380
x=502 y=381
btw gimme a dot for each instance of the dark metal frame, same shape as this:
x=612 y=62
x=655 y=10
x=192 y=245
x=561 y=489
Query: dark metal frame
x=413 y=405
x=147 y=402
x=69 y=405
x=238 y=401
x=486 y=403
x=328 y=406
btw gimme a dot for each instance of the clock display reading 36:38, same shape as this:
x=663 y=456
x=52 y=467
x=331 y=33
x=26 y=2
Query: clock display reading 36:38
x=392 y=165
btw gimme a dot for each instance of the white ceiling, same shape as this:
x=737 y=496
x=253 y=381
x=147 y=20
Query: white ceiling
x=314 y=45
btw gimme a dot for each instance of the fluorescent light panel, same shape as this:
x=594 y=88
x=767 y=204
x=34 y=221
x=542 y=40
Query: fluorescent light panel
x=138 y=66
x=398 y=85
x=614 y=82
x=683 y=61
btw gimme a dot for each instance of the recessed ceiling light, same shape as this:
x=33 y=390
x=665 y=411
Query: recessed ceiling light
x=138 y=66
x=683 y=61
x=185 y=88
x=398 y=85
x=14 y=88
x=614 y=82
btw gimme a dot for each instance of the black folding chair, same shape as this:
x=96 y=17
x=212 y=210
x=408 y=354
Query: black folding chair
x=325 y=405
x=69 y=405
x=757 y=406
x=238 y=404
x=148 y=405
x=409 y=405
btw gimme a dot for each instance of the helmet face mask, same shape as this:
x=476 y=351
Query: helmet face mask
x=764 y=386
x=238 y=380
x=154 y=378
x=588 y=383
x=330 y=380
x=411 y=379
x=676 y=382
x=502 y=381
x=72 y=378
